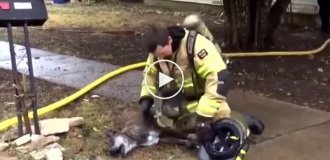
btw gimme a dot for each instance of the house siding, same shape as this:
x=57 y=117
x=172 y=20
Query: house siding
x=298 y=6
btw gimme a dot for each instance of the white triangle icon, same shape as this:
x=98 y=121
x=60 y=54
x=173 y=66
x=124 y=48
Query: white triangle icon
x=163 y=79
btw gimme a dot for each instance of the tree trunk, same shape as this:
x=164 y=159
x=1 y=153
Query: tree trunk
x=235 y=38
x=274 y=19
x=228 y=29
x=231 y=27
x=252 y=23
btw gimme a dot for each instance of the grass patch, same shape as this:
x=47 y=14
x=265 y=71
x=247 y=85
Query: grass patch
x=102 y=17
x=88 y=141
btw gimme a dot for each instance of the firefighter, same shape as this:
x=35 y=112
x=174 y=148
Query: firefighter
x=202 y=98
x=324 y=13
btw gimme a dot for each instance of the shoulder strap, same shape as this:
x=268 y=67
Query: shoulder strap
x=191 y=47
x=191 y=54
x=157 y=64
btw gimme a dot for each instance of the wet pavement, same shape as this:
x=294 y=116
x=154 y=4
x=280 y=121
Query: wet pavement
x=306 y=144
x=280 y=117
x=292 y=132
x=72 y=71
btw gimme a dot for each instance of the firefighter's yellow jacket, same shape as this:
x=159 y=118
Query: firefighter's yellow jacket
x=208 y=64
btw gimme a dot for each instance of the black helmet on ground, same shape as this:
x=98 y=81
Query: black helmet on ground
x=230 y=139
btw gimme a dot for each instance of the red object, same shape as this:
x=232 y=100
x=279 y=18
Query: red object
x=4 y=5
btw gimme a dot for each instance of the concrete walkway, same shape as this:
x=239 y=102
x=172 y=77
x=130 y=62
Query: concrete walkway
x=293 y=132
x=73 y=72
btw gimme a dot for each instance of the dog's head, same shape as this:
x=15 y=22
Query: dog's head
x=119 y=143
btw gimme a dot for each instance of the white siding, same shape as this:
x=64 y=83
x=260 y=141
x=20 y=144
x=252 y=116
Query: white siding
x=305 y=6
x=298 y=6
x=211 y=2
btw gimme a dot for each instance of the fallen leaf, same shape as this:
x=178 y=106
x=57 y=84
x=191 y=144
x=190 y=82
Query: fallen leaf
x=325 y=79
x=260 y=78
x=9 y=103
x=281 y=70
x=95 y=96
x=95 y=129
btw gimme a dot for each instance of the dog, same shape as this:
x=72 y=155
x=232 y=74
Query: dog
x=133 y=130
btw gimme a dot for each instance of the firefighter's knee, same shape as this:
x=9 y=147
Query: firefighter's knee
x=224 y=82
x=221 y=114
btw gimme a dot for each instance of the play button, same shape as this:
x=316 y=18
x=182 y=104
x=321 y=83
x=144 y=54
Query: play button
x=164 y=79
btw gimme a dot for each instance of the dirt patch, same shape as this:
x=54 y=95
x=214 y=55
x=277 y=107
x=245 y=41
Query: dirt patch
x=119 y=50
x=302 y=80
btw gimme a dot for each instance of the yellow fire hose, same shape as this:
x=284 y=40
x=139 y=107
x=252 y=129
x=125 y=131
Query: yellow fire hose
x=13 y=121
x=279 y=53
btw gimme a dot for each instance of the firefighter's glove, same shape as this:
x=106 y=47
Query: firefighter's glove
x=203 y=129
x=145 y=105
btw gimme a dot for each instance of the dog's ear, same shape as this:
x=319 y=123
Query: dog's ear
x=110 y=133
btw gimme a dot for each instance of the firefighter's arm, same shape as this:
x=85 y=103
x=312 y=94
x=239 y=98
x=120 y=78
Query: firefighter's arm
x=147 y=86
x=149 y=79
x=212 y=69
